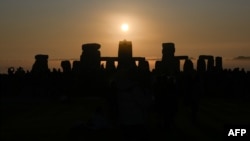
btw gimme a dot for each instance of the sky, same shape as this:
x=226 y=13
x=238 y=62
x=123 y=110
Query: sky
x=58 y=28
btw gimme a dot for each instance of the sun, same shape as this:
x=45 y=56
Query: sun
x=124 y=27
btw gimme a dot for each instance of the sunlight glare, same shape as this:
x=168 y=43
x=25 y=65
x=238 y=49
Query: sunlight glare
x=124 y=27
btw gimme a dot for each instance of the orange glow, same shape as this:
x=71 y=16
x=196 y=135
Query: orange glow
x=124 y=27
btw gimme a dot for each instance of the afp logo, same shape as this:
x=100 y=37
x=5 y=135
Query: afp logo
x=237 y=132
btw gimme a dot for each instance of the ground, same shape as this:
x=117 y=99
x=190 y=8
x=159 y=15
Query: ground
x=41 y=119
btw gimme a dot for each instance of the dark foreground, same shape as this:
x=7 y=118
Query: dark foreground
x=43 y=119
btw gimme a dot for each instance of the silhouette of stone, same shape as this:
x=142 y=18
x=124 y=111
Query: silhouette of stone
x=143 y=66
x=210 y=63
x=76 y=66
x=169 y=64
x=125 y=50
x=218 y=63
x=91 y=57
x=181 y=57
x=41 y=64
x=110 y=65
x=188 y=66
x=201 y=65
x=125 y=59
x=66 y=66
x=157 y=67
x=168 y=50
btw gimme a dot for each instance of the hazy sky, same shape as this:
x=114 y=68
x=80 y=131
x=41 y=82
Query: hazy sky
x=59 y=27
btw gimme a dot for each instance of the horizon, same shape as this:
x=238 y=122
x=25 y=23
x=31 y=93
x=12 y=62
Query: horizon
x=240 y=62
x=59 y=28
x=228 y=63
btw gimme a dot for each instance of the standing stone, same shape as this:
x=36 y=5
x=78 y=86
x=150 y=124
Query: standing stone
x=41 y=64
x=201 y=65
x=218 y=63
x=110 y=65
x=210 y=63
x=143 y=66
x=188 y=66
x=169 y=64
x=168 y=50
x=76 y=66
x=91 y=57
x=125 y=59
